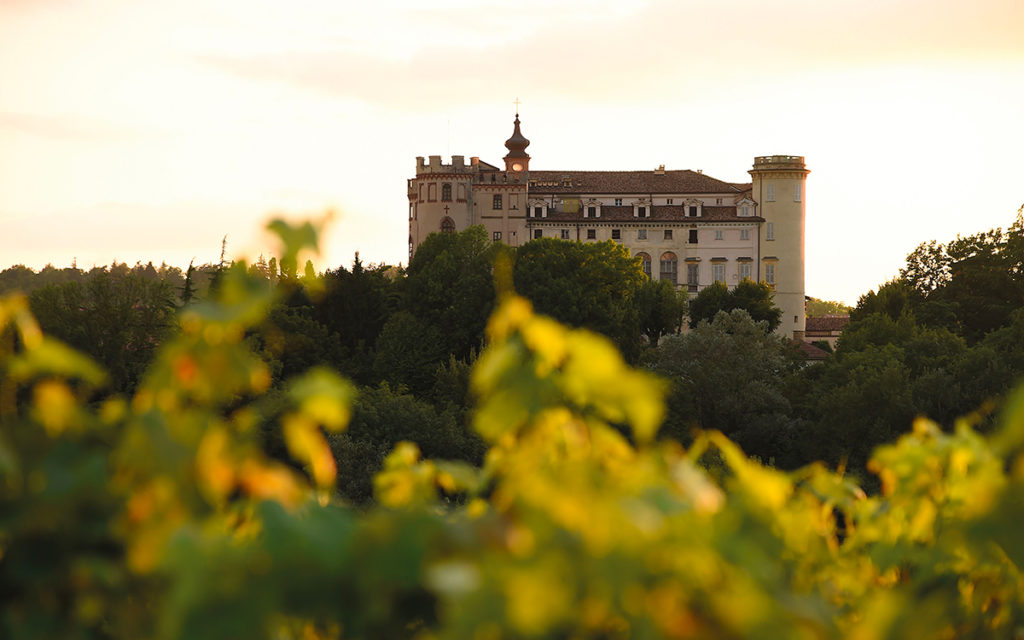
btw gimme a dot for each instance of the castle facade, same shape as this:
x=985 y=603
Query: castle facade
x=686 y=227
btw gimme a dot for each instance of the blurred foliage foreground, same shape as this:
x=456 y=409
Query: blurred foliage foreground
x=160 y=516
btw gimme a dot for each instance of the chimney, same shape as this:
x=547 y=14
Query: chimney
x=660 y=171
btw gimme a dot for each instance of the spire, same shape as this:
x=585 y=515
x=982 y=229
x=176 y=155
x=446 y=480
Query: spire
x=517 y=159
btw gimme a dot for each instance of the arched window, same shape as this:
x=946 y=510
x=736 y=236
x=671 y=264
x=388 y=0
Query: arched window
x=447 y=225
x=446 y=192
x=646 y=262
x=669 y=266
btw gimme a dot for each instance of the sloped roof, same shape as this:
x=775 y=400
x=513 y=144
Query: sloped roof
x=826 y=323
x=658 y=213
x=640 y=182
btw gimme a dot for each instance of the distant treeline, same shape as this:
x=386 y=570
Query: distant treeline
x=24 y=279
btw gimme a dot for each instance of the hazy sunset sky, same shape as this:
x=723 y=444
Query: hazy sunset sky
x=144 y=130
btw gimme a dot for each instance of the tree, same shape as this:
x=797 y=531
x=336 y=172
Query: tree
x=970 y=285
x=730 y=374
x=409 y=352
x=188 y=290
x=119 y=321
x=449 y=290
x=817 y=308
x=661 y=309
x=753 y=297
x=381 y=418
x=355 y=305
x=592 y=285
x=894 y=299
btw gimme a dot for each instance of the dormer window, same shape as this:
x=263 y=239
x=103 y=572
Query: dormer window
x=694 y=208
x=591 y=209
x=745 y=208
x=537 y=209
x=566 y=181
x=642 y=209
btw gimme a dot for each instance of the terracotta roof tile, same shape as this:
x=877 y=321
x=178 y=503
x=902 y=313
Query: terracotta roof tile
x=640 y=182
x=827 y=323
x=658 y=213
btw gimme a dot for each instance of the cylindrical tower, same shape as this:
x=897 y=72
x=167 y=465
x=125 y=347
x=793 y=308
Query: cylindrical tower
x=778 y=187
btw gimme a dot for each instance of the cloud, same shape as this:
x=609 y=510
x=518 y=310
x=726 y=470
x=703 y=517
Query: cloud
x=665 y=50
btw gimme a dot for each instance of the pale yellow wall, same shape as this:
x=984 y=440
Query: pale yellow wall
x=788 y=217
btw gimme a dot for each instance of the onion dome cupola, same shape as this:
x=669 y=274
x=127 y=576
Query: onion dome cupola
x=517 y=159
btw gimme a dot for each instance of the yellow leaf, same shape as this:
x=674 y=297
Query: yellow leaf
x=55 y=406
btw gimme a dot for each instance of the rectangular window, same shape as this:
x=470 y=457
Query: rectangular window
x=538 y=212
x=591 y=234
x=693 y=236
x=565 y=234
x=769 y=193
x=744 y=269
x=496 y=204
x=669 y=268
x=618 y=202
x=744 y=234
x=462 y=193
x=591 y=212
x=446 y=192
x=691 y=212
x=769 y=273
x=692 y=276
x=769 y=231
x=616 y=234
x=668 y=234
x=421 y=192
x=496 y=236
x=718 y=234
x=641 y=234
x=513 y=201
x=718 y=201
x=431 y=192
x=797 y=192
x=538 y=233
x=744 y=211
x=645 y=261
x=641 y=212
x=668 y=200
x=718 y=272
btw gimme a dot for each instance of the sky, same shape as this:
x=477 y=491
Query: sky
x=143 y=130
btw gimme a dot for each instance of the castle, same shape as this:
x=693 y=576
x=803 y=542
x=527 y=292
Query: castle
x=686 y=227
